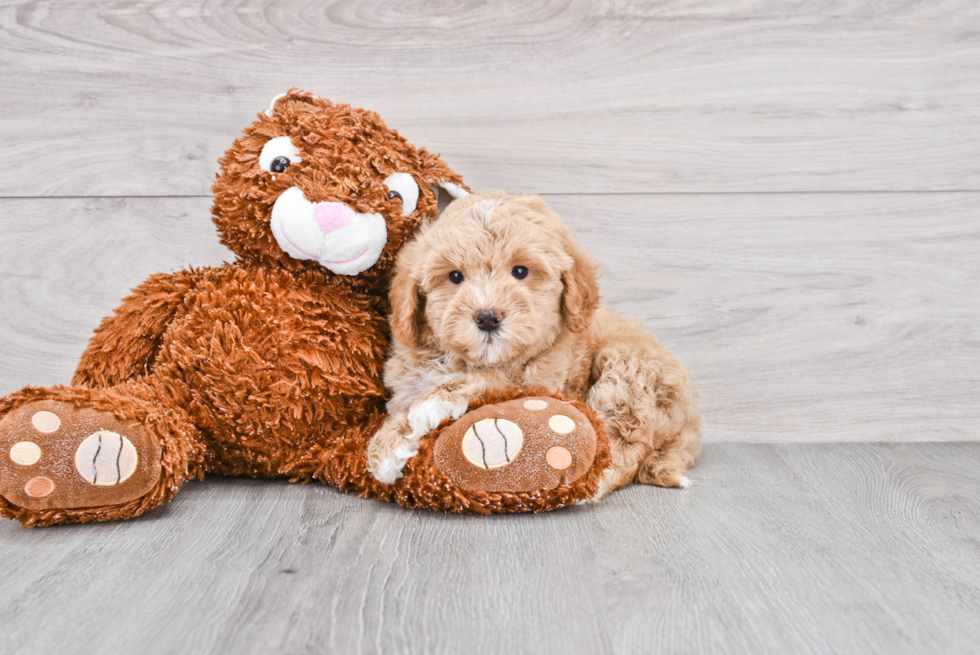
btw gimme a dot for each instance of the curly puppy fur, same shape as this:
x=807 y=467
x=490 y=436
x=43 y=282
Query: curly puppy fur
x=553 y=333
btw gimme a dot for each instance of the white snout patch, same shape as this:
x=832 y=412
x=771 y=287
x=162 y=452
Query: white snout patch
x=349 y=250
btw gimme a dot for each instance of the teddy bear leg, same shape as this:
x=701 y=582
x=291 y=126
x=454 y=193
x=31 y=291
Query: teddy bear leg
x=78 y=455
x=515 y=452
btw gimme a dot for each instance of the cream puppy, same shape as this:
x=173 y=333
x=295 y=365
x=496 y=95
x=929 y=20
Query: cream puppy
x=496 y=294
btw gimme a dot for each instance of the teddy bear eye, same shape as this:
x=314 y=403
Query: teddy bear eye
x=404 y=187
x=455 y=277
x=520 y=272
x=279 y=164
x=277 y=154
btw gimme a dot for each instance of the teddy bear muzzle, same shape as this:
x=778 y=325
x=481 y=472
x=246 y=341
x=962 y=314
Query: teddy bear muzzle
x=331 y=233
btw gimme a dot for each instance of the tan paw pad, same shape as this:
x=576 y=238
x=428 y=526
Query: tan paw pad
x=492 y=443
x=558 y=458
x=561 y=424
x=39 y=487
x=46 y=422
x=25 y=453
x=106 y=459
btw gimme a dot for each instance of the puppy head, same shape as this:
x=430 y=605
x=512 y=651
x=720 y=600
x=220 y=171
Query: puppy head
x=495 y=280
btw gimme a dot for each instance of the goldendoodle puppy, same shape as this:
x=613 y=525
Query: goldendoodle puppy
x=496 y=294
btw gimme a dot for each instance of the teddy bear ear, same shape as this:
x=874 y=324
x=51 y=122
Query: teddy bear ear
x=298 y=94
x=446 y=192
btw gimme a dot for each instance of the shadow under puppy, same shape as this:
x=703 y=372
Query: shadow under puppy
x=496 y=294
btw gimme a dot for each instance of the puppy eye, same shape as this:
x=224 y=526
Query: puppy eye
x=520 y=272
x=277 y=154
x=404 y=187
x=455 y=277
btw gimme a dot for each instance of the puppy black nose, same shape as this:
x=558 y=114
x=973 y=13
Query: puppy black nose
x=488 y=320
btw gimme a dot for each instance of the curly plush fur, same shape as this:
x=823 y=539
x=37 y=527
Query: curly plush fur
x=512 y=258
x=266 y=367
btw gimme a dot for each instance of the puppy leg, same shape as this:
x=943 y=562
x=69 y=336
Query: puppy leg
x=649 y=406
x=390 y=448
x=426 y=415
x=398 y=439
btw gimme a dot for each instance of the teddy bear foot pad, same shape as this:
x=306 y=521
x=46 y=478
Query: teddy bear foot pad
x=522 y=445
x=54 y=455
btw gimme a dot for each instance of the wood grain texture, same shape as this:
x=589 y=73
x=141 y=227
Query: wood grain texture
x=67 y=263
x=843 y=548
x=123 y=98
x=802 y=549
x=840 y=317
x=827 y=317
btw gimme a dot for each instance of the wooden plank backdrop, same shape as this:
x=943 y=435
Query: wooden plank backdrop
x=601 y=96
x=803 y=317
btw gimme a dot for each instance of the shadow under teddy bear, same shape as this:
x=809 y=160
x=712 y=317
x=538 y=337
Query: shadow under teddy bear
x=271 y=366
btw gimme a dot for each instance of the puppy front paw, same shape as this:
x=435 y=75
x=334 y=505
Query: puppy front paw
x=389 y=469
x=428 y=414
x=389 y=450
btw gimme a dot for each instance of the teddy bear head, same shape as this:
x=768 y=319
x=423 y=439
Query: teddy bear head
x=314 y=185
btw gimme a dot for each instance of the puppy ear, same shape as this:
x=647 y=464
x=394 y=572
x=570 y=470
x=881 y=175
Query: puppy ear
x=446 y=192
x=407 y=302
x=446 y=184
x=580 y=299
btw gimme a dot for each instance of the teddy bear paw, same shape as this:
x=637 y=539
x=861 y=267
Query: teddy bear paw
x=54 y=455
x=521 y=445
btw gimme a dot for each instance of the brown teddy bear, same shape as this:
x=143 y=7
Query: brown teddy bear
x=271 y=366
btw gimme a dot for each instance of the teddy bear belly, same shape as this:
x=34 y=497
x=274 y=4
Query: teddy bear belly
x=277 y=372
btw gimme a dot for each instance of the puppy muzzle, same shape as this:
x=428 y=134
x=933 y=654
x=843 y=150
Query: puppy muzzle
x=488 y=320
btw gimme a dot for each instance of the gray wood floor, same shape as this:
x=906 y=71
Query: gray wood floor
x=788 y=194
x=789 y=548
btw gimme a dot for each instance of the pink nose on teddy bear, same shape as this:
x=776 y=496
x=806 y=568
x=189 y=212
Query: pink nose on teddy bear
x=331 y=216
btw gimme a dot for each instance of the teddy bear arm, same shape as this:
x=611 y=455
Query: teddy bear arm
x=125 y=344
